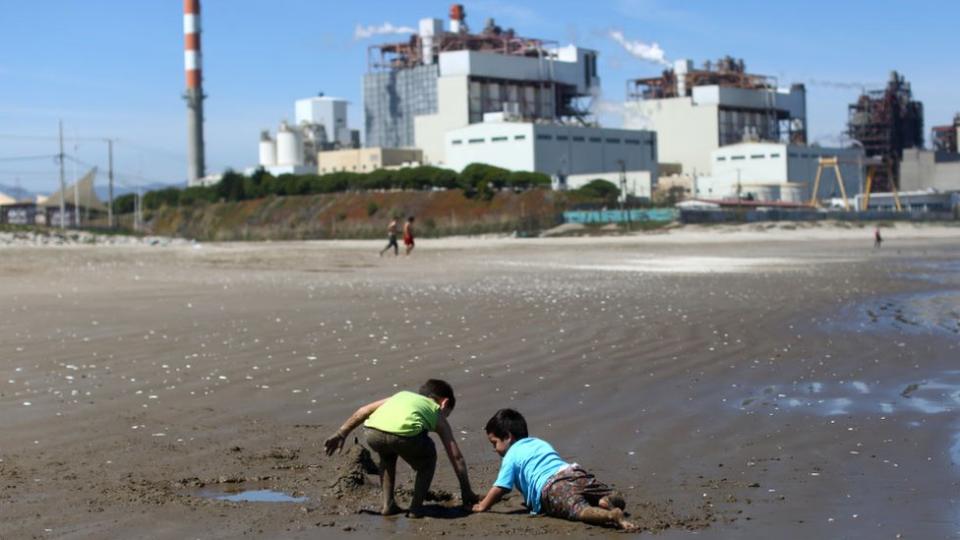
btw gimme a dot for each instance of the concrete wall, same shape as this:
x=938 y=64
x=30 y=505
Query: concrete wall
x=686 y=133
x=519 y=68
x=362 y=160
x=947 y=176
x=577 y=150
x=551 y=148
x=509 y=145
x=453 y=111
x=923 y=169
x=766 y=169
x=756 y=162
x=792 y=101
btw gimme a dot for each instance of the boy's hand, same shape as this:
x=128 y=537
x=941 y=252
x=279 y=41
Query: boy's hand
x=478 y=508
x=334 y=443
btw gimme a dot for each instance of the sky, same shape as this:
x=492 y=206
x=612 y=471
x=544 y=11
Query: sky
x=114 y=68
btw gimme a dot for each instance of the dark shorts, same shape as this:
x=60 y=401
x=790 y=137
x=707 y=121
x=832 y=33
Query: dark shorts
x=418 y=451
x=570 y=491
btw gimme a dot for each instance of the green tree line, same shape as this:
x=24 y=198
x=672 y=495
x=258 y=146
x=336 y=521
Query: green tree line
x=476 y=180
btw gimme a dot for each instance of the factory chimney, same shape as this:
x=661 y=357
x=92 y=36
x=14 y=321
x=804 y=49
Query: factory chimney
x=458 y=17
x=194 y=94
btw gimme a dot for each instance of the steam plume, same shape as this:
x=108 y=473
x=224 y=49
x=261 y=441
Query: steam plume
x=363 y=32
x=650 y=53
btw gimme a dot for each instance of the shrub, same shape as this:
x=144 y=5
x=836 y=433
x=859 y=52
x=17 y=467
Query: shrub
x=600 y=189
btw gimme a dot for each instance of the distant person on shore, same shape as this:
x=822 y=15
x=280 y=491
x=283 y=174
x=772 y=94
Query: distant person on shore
x=392 y=238
x=408 y=234
x=398 y=426
x=877 y=239
x=548 y=484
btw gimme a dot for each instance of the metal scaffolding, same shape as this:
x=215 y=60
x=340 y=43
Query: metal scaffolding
x=885 y=122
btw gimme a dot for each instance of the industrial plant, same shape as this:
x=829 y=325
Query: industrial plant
x=449 y=96
x=713 y=133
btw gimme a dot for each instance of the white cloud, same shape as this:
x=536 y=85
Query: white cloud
x=364 y=32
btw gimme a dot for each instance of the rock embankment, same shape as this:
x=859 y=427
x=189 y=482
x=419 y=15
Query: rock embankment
x=81 y=238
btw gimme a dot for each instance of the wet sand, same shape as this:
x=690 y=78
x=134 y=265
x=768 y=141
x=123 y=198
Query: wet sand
x=733 y=382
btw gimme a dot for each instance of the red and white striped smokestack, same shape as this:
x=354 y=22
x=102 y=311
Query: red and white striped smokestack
x=191 y=42
x=194 y=93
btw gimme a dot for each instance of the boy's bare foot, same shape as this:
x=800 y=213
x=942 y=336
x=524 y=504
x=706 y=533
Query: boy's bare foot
x=391 y=510
x=616 y=516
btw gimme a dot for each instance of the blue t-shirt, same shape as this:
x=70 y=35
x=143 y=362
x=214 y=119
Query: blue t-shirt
x=527 y=466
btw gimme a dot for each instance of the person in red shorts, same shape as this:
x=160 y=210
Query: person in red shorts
x=408 y=234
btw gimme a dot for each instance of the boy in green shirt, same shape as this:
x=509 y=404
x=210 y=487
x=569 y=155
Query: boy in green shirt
x=398 y=426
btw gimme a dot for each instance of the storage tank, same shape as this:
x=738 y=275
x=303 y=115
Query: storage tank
x=289 y=151
x=268 y=150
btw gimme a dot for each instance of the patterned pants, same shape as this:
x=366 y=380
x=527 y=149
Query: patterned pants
x=571 y=490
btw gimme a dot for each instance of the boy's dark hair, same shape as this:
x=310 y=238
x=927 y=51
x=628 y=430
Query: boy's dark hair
x=507 y=422
x=435 y=388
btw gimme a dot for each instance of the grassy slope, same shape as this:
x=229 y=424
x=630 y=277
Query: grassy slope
x=357 y=215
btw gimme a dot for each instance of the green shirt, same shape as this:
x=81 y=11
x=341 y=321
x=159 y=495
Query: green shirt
x=405 y=414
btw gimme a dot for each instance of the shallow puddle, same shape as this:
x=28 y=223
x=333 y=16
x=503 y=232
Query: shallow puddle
x=928 y=396
x=935 y=312
x=237 y=493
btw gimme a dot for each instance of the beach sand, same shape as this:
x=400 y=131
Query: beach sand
x=734 y=382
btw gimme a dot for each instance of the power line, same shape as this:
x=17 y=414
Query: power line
x=8 y=136
x=28 y=158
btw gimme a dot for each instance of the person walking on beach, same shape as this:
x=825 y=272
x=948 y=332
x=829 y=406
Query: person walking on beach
x=391 y=238
x=877 y=239
x=408 y=234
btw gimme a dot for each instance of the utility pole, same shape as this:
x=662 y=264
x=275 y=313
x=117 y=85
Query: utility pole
x=623 y=190
x=138 y=204
x=110 y=189
x=739 y=187
x=76 y=193
x=63 y=186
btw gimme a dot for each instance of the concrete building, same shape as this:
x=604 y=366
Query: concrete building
x=915 y=201
x=779 y=172
x=329 y=115
x=558 y=150
x=923 y=170
x=321 y=124
x=363 y=160
x=418 y=90
x=696 y=111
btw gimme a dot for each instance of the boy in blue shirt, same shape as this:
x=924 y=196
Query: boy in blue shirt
x=548 y=484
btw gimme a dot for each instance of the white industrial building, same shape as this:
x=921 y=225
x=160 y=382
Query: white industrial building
x=779 y=172
x=574 y=154
x=329 y=115
x=696 y=111
x=321 y=124
x=924 y=169
x=465 y=91
x=418 y=90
